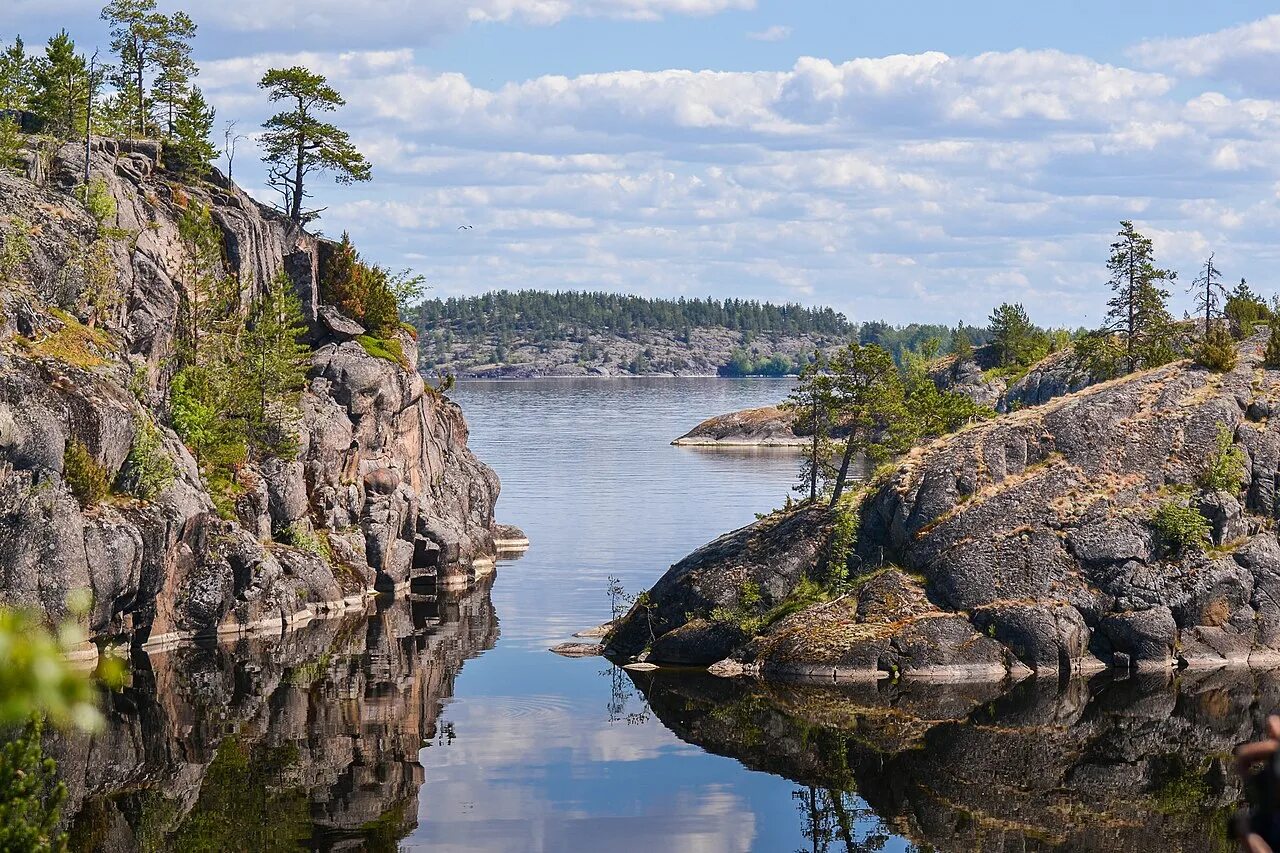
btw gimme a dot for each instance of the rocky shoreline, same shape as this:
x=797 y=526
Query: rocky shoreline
x=1024 y=545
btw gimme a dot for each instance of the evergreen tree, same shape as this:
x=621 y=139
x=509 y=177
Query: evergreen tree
x=1138 y=309
x=174 y=70
x=1245 y=309
x=344 y=281
x=1208 y=292
x=1217 y=351
x=61 y=88
x=297 y=142
x=961 y=346
x=1271 y=355
x=10 y=144
x=811 y=400
x=206 y=293
x=1012 y=335
x=868 y=400
x=277 y=361
x=190 y=145
x=17 y=77
x=140 y=37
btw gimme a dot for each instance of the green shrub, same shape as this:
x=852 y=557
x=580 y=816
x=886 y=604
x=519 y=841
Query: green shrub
x=98 y=201
x=304 y=539
x=148 y=470
x=1180 y=526
x=83 y=475
x=1224 y=471
x=15 y=248
x=1271 y=355
x=1217 y=350
x=844 y=536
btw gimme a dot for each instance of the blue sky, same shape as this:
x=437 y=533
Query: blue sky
x=917 y=161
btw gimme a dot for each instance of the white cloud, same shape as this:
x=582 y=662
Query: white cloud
x=777 y=32
x=1246 y=55
x=920 y=186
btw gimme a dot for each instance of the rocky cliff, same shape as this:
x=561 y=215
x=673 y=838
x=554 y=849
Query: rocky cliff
x=1061 y=538
x=89 y=314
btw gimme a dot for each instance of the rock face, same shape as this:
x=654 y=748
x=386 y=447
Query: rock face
x=1140 y=763
x=769 y=426
x=383 y=479
x=309 y=740
x=1028 y=543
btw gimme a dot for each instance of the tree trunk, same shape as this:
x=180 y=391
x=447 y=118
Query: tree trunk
x=295 y=209
x=844 y=467
x=813 y=456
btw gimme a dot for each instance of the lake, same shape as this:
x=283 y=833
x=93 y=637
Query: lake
x=442 y=722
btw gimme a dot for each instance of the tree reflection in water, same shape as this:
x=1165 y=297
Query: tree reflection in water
x=1139 y=764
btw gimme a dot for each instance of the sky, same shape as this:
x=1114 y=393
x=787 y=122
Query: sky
x=916 y=161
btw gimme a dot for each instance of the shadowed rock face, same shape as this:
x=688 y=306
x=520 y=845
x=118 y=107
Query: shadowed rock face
x=1137 y=764
x=383 y=475
x=311 y=739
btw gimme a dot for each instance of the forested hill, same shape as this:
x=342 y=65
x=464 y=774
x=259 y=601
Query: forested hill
x=572 y=333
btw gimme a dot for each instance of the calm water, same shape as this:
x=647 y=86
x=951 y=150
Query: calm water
x=444 y=724
x=544 y=759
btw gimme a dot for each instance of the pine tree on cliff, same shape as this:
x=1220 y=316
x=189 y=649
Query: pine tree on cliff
x=140 y=38
x=17 y=82
x=276 y=361
x=174 y=70
x=1208 y=292
x=1012 y=334
x=297 y=142
x=1245 y=309
x=1138 y=311
x=61 y=88
x=812 y=401
x=868 y=404
x=192 y=151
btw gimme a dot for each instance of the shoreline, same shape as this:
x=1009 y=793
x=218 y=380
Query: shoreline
x=459 y=380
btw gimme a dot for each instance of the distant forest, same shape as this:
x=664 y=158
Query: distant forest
x=496 y=320
x=557 y=316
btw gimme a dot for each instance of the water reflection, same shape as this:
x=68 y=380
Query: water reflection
x=307 y=740
x=1137 y=764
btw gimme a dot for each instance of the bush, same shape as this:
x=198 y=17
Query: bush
x=148 y=470
x=1224 y=470
x=83 y=475
x=1217 y=350
x=99 y=201
x=1180 y=526
x=1271 y=355
x=300 y=537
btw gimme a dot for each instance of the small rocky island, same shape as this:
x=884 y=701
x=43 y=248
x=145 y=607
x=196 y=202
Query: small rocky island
x=1087 y=532
x=101 y=300
x=767 y=426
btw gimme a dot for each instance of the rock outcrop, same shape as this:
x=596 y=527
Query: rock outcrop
x=383 y=487
x=768 y=426
x=1028 y=543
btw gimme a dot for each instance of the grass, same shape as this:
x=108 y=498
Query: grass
x=75 y=343
x=389 y=350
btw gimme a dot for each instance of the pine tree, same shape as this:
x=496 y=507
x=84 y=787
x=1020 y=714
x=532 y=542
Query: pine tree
x=192 y=151
x=11 y=144
x=811 y=400
x=276 y=360
x=1271 y=355
x=961 y=346
x=1012 y=335
x=174 y=70
x=61 y=88
x=17 y=77
x=1217 y=351
x=297 y=142
x=868 y=396
x=1245 y=309
x=140 y=37
x=344 y=281
x=1208 y=292
x=1138 y=311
